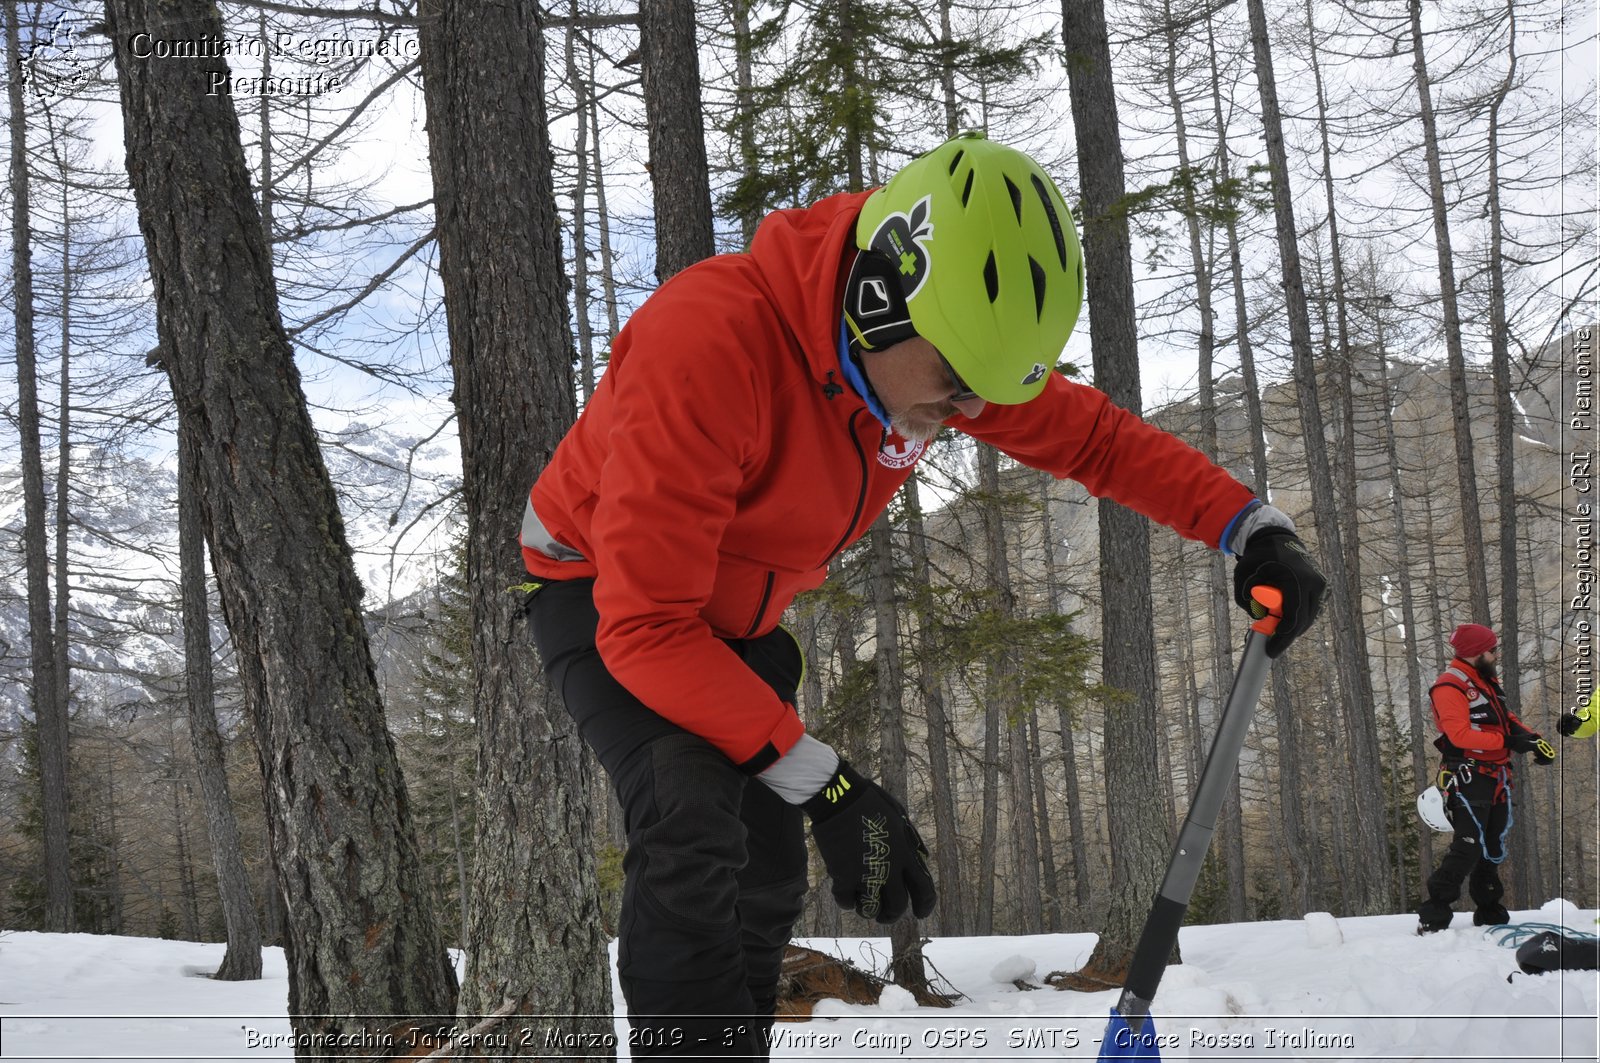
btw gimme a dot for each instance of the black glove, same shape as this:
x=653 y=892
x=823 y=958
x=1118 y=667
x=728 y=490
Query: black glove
x=1522 y=742
x=1530 y=742
x=1569 y=722
x=873 y=854
x=1275 y=557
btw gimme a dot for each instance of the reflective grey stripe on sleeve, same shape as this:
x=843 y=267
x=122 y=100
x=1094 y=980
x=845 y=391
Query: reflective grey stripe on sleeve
x=1263 y=516
x=801 y=772
x=537 y=539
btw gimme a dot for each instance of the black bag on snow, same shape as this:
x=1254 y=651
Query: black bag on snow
x=1550 y=951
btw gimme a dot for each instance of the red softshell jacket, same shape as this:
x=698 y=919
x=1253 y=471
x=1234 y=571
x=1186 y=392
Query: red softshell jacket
x=1471 y=714
x=723 y=461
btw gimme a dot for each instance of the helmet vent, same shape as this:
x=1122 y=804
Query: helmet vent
x=991 y=278
x=1038 y=287
x=1055 y=219
x=1016 y=198
x=955 y=160
x=966 y=191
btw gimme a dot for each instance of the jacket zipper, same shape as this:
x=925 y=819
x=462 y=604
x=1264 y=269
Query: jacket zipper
x=861 y=496
x=766 y=597
x=861 y=502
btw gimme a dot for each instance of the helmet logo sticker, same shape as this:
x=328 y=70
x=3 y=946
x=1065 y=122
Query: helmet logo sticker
x=1039 y=370
x=872 y=297
x=903 y=240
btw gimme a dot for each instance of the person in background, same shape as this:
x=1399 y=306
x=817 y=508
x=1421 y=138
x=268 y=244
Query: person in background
x=758 y=413
x=1581 y=724
x=1477 y=735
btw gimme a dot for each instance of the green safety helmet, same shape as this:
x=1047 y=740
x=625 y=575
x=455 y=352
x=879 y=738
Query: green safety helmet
x=987 y=259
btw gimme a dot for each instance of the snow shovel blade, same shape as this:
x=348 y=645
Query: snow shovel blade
x=1130 y=1034
x=1122 y=1042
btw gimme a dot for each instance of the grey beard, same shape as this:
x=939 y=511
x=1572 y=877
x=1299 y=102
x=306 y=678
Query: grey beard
x=915 y=431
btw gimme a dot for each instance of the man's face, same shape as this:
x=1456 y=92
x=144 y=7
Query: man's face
x=917 y=388
x=1485 y=662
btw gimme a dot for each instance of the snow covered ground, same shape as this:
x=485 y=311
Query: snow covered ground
x=1312 y=989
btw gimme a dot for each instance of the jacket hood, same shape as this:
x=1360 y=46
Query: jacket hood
x=803 y=256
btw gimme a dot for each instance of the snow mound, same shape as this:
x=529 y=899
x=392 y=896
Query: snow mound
x=896 y=999
x=1322 y=930
x=1014 y=968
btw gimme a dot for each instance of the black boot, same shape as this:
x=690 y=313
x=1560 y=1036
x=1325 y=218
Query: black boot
x=1433 y=916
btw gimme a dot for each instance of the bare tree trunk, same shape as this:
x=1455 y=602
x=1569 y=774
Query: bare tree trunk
x=1370 y=873
x=1416 y=693
x=362 y=940
x=1343 y=368
x=952 y=912
x=905 y=960
x=745 y=137
x=1005 y=696
x=608 y=264
x=1077 y=839
x=535 y=934
x=242 y=960
x=947 y=73
x=1139 y=837
x=1304 y=860
x=989 y=831
x=188 y=901
x=1504 y=414
x=581 y=90
x=49 y=701
x=1474 y=561
x=264 y=176
x=682 y=187
x=1041 y=812
x=1231 y=826
x=59 y=641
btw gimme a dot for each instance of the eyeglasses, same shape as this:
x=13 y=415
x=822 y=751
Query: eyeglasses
x=962 y=392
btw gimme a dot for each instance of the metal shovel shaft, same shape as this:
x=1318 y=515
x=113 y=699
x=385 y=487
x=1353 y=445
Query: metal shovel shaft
x=1194 y=839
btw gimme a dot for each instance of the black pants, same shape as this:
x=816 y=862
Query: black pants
x=715 y=871
x=1478 y=803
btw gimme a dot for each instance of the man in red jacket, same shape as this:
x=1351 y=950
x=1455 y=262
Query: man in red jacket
x=1477 y=735
x=759 y=411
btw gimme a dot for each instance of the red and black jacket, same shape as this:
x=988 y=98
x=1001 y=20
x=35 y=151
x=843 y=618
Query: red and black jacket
x=723 y=462
x=1471 y=714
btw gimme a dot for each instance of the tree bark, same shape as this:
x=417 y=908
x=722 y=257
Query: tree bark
x=1077 y=838
x=1041 y=811
x=1474 y=561
x=1139 y=836
x=952 y=912
x=1504 y=414
x=535 y=934
x=670 y=65
x=905 y=958
x=1302 y=859
x=1421 y=722
x=49 y=700
x=1004 y=697
x=242 y=960
x=581 y=90
x=361 y=937
x=1369 y=875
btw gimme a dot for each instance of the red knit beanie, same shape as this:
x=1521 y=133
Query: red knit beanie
x=1473 y=639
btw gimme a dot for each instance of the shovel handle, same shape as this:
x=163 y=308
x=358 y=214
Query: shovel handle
x=1267 y=607
x=1194 y=836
